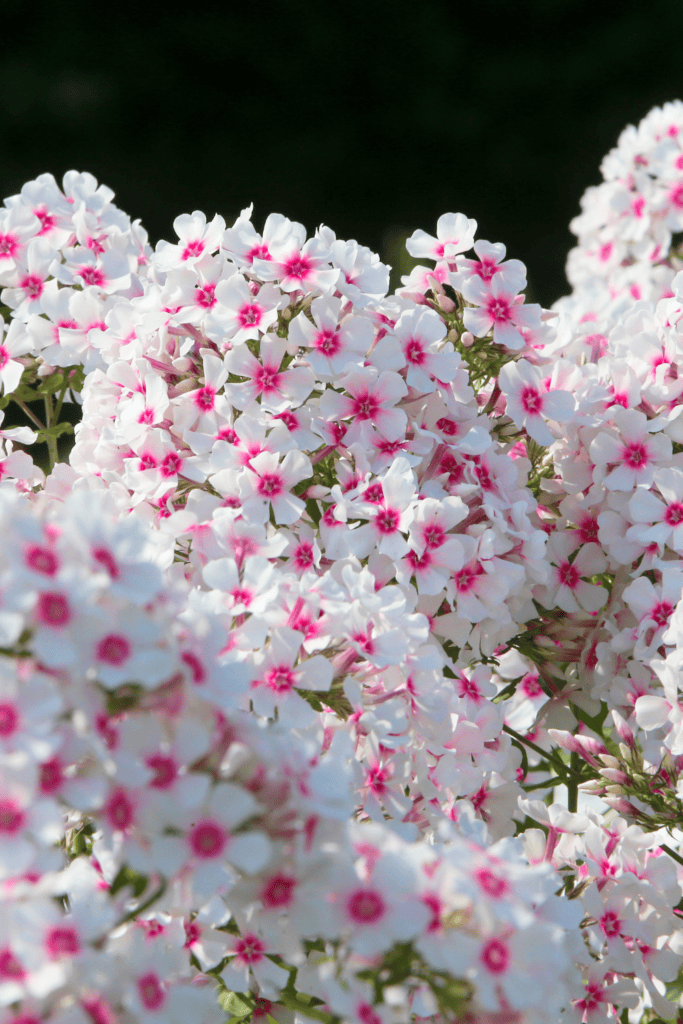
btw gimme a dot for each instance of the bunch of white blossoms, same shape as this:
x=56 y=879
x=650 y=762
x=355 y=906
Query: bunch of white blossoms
x=339 y=664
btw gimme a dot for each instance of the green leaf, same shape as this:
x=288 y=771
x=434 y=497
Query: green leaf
x=313 y=510
x=238 y=1006
x=128 y=877
x=54 y=431
x=453 y=995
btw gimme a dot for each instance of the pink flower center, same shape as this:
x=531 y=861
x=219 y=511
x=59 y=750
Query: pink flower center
x=152 y=995
x=280 y=679
x=492 y=884
x=46 y=219
x=365 y=406
x=593 y=998
x=278 y=891
x=250 y=315
x=193 y=249
x=495 y=956
x=32 y=286
x=113 y=649
x=193 y=933
x=250 y=949
x=465 y=579
x=365 y=906
x=51 y=776
x=303 y=556
x=327 y=342
x=99 y=1011
x=569 y=576
x=531 y=686
x=91 y=275
x=62 y=941
x=11 y=817
x=52 y=609
x=468 y=688
x=205 y=296
x=610 y=924
x=532 y=401
x=171 y=464
x=414 y=352
x=119 y=810
x=267 y=378
x=207 y=840
x=661 y=613
x=367 y=1015
x=10 y=967
x=270 y=485
x=635 y=455
x=486 y=268
x=165 y=770
x=259 y=252
x=41 y=559
x=387 y=520
x=499 y=310
x=298 y=266
x=674 y=514
x=447 y=426
x=588 y=530
x=9 y=719
x=204 y=398
x=105 y=558
x=433 y=536
x=9 y=246
x=419 y=563
x=195 y=666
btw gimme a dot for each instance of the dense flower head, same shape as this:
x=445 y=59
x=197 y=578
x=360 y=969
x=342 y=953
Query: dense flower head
x=339 y=666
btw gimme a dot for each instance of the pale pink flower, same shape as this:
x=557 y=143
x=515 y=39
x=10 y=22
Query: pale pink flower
x=529 y=404
x=454 y=234
x=499 y=310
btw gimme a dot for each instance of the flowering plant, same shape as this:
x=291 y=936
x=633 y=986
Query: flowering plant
x=339 y=667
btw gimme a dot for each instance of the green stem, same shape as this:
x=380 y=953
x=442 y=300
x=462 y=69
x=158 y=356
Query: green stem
x=62 y=393
x=572 y=784
x=51 y=441
x=672 y=853
x=31 y=415
x=560 y=767
x=144 y=906
x=299 y=1006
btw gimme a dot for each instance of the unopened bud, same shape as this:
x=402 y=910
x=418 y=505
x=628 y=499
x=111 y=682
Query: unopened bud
x=467 y=339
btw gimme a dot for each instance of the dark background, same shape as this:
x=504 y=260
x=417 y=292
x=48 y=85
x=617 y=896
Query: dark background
x=372 y=119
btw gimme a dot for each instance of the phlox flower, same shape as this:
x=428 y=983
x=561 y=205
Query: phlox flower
x=654 y=606
x=250 y=961
x=278 y=674
x=17 y=225
x=568 y=587
x=487 y=264
x=333 y=340
x=419 y=333
x=657 y=521
x=266 y=483
x=297 y=264
x=276 y=389
x=529 y=404
x=25 y=299
x=197 y=239
x=241 y=313
x=627 y=454
x=363 y=279
x=499 y=310
x=369 y=400
x=454 y=234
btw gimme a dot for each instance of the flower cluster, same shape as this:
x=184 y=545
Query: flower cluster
x=338 y=665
